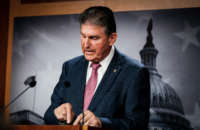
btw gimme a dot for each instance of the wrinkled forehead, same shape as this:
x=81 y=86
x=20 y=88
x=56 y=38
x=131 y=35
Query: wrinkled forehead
x=92 y=28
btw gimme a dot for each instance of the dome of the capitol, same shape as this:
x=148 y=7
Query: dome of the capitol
x=163 y=95
x=166 y=109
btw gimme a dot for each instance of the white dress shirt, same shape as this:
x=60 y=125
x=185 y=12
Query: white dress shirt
x=101 y=71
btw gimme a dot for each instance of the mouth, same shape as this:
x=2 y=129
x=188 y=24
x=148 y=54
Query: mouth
x=89 y=52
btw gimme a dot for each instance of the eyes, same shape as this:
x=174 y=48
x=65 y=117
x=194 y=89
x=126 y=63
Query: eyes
x=94 y=37
x=90 y=37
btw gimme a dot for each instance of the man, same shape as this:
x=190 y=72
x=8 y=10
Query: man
x=107 y=88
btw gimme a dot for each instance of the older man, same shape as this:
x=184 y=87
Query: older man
x=110 y=89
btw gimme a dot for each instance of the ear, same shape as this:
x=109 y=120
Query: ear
x=112 y=38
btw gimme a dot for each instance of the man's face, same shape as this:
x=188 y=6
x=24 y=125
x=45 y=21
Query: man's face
x=95 y=43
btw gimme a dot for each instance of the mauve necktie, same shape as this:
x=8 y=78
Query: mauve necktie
x=91 y=85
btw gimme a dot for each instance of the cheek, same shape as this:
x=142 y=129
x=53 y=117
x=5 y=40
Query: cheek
x=82 y=48
x=82 y=44
x=100 y=49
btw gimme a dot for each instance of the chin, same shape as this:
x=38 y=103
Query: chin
x=89 y=58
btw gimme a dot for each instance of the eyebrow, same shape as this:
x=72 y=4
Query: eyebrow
x=95 y=36
x=91 y=36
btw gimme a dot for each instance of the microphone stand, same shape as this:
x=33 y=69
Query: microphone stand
x=11 y=102
x=82 y=122
x=4 y=125
x=30 y=81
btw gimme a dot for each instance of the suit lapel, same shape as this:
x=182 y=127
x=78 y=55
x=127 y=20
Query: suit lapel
x=106 y=83
x=81 y=83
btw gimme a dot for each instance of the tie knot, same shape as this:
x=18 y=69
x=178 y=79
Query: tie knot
x=95 y=66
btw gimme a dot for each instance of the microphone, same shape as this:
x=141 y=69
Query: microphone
x=67 y=83
x=31 y=82
x=82 y=123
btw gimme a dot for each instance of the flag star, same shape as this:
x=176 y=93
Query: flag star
x=188 y=36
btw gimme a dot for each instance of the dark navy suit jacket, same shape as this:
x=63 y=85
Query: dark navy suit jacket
x=122 y=98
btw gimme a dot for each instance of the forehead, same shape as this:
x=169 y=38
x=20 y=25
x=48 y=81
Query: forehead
x=92 y=29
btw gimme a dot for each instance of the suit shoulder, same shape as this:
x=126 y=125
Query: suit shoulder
x=132 y=63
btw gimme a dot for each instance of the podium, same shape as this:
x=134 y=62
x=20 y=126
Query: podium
x=55 y=127
x=26 y=117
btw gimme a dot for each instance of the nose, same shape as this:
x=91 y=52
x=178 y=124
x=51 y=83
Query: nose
x=86 y=43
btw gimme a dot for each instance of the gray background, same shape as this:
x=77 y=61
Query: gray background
x=42 y=44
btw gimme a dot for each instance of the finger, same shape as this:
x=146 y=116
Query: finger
x=86 y=123
x=64 y=115
x=78 y=119
x=69 y=112
x=89 y=122
x=88 y=116
x=94 y=121
x=60 y=117
x=59 y=113
x=82 y=119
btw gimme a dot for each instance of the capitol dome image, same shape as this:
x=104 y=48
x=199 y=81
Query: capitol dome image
x=166 y=109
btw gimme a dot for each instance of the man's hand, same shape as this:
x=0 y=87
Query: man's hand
x=64 y=113
x=89 y=119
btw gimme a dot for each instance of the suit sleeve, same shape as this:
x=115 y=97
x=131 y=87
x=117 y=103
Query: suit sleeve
x=56 y=98
x=137 y=104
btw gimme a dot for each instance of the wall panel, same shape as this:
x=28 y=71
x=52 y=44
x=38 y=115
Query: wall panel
x=4 y=15
x=69 y=7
